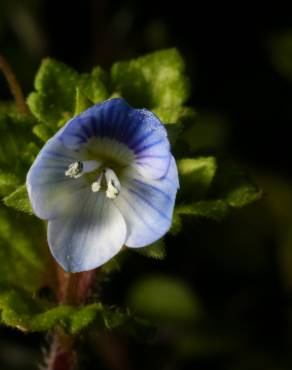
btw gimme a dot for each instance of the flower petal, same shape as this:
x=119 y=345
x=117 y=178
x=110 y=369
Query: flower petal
x=90 y=237
x=151 y=146
x=51 y=192
x=107 y=120
x=147 y=206
x=140 y=130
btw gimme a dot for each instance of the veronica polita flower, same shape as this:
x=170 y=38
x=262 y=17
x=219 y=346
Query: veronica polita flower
x=105 y=180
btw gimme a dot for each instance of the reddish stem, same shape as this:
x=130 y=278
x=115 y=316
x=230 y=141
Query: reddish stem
x=73 y=289
x=13 y=85
x=62 y=356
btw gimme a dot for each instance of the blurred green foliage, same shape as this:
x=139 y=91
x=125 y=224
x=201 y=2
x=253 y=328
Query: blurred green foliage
x=196 y=175
x=164 y=299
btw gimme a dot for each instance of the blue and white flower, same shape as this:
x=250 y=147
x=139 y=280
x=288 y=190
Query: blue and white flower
x=105 y=180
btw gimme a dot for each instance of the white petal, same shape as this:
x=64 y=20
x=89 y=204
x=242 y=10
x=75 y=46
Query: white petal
x=88 y=238
x=51 y=192
x=147 y=206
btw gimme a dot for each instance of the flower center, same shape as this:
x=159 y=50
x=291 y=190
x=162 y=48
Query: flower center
x=104 y=165
x=105 y=178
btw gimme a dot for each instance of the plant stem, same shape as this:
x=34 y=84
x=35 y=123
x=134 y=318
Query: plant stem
x=73 y=289
x=14 y=86
x=62 y=356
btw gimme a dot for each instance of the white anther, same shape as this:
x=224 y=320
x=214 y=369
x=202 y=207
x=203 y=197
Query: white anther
x=111 y=192
x=113 y=184
x=74 y=170
x=78 y=168
x=95 y=186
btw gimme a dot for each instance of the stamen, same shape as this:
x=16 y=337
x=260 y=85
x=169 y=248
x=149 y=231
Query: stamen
x=78 y=168
x=95 y=186
x=75 y=170
x=113 y=184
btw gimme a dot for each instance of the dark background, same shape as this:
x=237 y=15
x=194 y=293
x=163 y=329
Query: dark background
x=239 y=270
x=226 y=49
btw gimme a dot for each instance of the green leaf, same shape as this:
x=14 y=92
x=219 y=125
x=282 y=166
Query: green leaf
x=84 y=317
x=70 y=318
x=196 y=175
x=8 y=183
x=43 y=131
x=30 y=152
x=8 y=107
x=176 y=225
x=215 y=210
x=111 y=266
x=129 y=322
x=155 y=250
x=19 y=310
x=235 y=186
x=94 y=85
x=154 y=80
x=16 y=309
x=82 y=102
x=15 y=133
x=173 y=114
x=23 y=251
x=164 y=298
x=54 y=99
x=212 y=209
x=243 y=195
x=210 y=131
x=19 y=200
x=54 y=102
x=173 y=132
x=49 y=318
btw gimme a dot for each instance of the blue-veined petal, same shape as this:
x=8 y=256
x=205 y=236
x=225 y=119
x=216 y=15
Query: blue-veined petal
x=151 y=147
x=110 y=119
x=51 y=192
x=140 y=130
x=147 y=206
x=89 y=237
